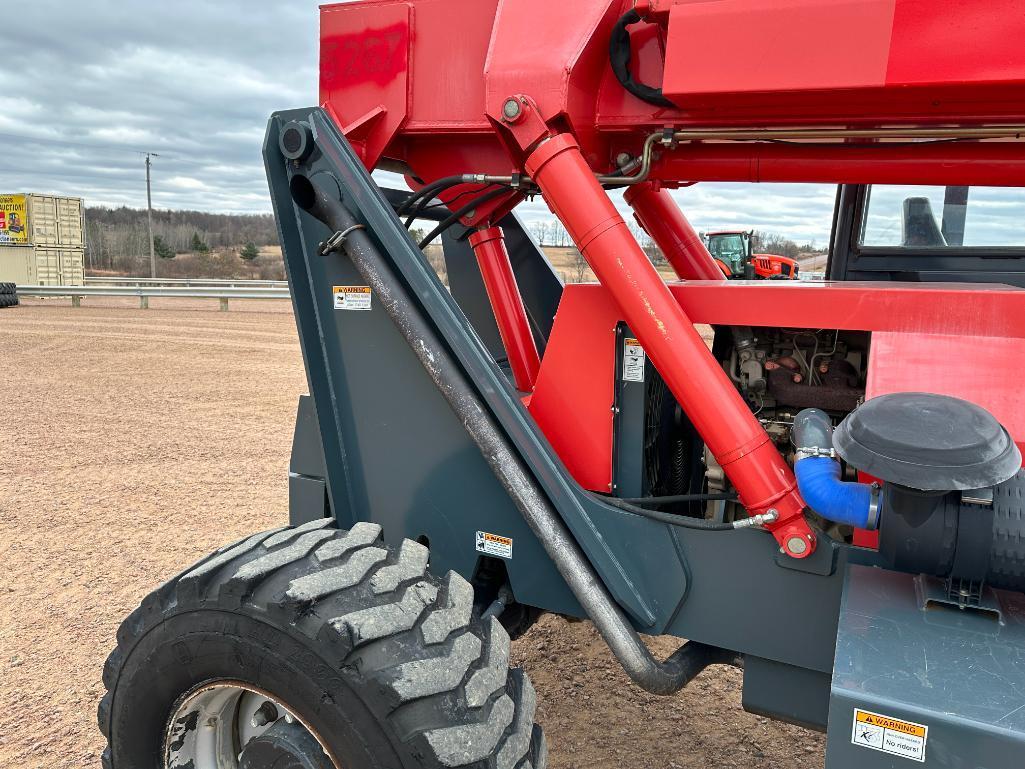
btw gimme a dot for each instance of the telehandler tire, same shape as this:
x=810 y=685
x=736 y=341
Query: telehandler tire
x=315 y=648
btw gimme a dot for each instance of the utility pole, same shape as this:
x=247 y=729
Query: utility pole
x=149 y=216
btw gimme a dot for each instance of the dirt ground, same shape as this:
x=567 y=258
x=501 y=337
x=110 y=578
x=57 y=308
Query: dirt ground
x=133 y=442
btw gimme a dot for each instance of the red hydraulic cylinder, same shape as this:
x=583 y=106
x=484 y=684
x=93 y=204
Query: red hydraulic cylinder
x=507 y=303
x=663 y=220
x=994 y=164
x=722 y=418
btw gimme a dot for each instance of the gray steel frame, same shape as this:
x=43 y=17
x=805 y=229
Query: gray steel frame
x=393 y=452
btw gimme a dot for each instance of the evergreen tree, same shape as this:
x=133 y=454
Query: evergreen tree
x=249 y=251
x=162 y=249
x=198 y=246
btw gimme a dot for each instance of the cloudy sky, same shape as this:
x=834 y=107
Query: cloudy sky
x=91 y=86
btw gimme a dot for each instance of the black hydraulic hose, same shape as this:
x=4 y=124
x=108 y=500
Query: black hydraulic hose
x=428 y=192
x=459 y=214
x=619 y=57
x=657 y=677
x=425 y=204
x=683 y=521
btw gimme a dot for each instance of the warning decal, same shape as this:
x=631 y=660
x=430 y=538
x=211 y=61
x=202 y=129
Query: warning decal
x=492 y=544
x=633 y=361
x=890 y=735
x=352 y=297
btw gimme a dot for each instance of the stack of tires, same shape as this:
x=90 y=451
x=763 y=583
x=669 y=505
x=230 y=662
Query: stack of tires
x=8 y=295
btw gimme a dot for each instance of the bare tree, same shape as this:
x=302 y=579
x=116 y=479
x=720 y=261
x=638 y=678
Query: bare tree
x=580 y=267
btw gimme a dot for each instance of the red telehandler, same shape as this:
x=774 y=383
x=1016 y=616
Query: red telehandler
x=830 y=497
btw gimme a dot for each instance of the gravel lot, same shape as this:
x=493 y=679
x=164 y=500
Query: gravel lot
x=133 y=442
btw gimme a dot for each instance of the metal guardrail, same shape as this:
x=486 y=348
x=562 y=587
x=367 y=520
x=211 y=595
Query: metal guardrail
x=812 y=277
x=98 y=280
x=221 y=292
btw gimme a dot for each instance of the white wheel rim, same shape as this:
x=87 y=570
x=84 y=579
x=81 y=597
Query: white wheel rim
x=212 y=724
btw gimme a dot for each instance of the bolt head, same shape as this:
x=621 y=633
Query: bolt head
x=797 y=546
x=512 y=109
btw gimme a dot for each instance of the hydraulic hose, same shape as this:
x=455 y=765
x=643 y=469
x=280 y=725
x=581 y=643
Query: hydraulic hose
x=683 y=521
x=818 y=475
x=455 y=216
x=428 y=191
x=619 y=57
x=656 y=677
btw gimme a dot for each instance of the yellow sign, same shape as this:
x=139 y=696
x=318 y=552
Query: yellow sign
x=352 y=297
x=13 y=219
x=890 y=735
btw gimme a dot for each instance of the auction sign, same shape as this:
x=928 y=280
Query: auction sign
x=13 y=217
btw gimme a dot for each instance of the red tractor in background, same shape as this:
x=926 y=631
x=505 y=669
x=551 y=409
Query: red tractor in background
x=732 y=251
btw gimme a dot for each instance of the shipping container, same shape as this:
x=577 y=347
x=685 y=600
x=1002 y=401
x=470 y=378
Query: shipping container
x=41 y=220
x=42 y=265
x=60 y=266
x=41 y=240
x=18 y=265
x=70 y=225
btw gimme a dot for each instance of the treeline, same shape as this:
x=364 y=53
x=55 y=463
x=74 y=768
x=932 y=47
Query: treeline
x=774 y=243
x=117 y=238
x=552 y=233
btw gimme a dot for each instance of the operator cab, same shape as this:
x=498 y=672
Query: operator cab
x=953 y=234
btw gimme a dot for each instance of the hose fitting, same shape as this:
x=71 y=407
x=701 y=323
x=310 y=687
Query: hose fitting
x=818 y=476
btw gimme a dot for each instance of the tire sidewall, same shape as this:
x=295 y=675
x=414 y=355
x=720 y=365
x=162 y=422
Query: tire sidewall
x=206 y=645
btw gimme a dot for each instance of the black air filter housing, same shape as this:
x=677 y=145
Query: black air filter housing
x=929 y=442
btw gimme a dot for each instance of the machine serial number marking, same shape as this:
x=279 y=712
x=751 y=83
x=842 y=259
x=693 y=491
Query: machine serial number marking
x=633 y=361
x=492 y=544
x=352 y=297
x=890 y=735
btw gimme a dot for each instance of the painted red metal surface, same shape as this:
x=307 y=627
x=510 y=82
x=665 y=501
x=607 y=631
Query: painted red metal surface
x=662 y=219
x=824 y=61
x=424 y=80
x=961 y=309
x=762 y=478
x=507 y=303
x=975 y=368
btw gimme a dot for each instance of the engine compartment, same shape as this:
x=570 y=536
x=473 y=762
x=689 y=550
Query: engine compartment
x=779 y=372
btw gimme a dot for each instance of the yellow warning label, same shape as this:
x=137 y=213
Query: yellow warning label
x=493 y=544
x=891 y=723
x=633 y=361
x=352 y=297
x=890 y=735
